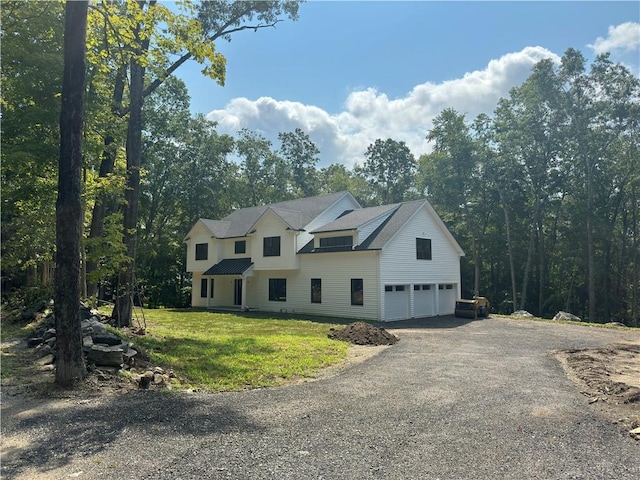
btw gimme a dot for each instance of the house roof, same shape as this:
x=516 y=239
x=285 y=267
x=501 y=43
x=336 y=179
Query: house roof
x=295 y=213
x=230 y=266
x=356 y=218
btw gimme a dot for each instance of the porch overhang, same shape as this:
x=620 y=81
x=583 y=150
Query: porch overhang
x=230 y=266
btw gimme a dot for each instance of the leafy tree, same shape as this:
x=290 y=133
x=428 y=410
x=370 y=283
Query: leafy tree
x=31 y=73
x=70 y=362
x=389 y=167
x=264 y=176
x=301 y=156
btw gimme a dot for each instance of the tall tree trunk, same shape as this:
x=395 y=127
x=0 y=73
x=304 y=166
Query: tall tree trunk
x=509 y=249
x=70 y=363
x=591 y=282
x=107 y=165
x=123 y=308
x=527 y=268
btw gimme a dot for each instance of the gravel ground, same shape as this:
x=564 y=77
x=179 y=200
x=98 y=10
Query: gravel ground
x=453 y=399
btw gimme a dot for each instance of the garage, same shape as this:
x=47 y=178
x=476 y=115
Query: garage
x=396 y=302
x=447 y=295
x=424 y=300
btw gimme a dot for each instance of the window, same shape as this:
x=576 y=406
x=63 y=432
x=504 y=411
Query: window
x=278 y=289
x=449 y=286
x=202 y=251
x=345 y=241
x=416 y=287
x=316 y=290
x=399 y=288
x=426 y=287
x=271 y=247
x=203 y=288
x=241 y=246
x=440 y=287
x=211 y=288
x=388 y=288
x=357 y=291
x=423 y=248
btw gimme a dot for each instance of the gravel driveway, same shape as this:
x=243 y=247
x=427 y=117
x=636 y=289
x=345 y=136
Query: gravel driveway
x=455 y=400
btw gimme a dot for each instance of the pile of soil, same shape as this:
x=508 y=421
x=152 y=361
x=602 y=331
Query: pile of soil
x=361 y=333
x=610 y=377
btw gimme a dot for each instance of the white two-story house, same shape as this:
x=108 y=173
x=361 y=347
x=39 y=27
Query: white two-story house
x=326 y=255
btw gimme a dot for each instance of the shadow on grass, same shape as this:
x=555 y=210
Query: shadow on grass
x=218 y=359
x=273 y=315
x=79 y=428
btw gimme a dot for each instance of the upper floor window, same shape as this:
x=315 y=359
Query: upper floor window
x=271 y=247
x=423 y=248
x=241 y=246
x=202 y=251
x=344 y=241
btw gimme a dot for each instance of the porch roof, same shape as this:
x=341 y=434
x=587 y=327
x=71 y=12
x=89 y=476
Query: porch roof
x=230 y=266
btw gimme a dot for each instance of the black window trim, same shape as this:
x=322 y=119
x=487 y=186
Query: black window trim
x=354 y=291
x=238 y=243
x=424 y=250
x=200 y=254
x=271 y=247
x=275 y=285
x=317 y=290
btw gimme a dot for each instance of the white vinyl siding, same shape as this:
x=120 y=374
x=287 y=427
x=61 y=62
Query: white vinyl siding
x=270 y=225
x=398 y=262
x=336 y=271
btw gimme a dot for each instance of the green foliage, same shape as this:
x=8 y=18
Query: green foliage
x=31 y=73
x=224 y=352
x=389 y=168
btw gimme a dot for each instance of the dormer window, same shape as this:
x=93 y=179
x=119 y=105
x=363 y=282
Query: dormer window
x=343 y=241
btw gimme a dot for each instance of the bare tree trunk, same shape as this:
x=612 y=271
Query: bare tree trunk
x=527 y=268
x=70 y=363
x=123 y=308
x=509 y=249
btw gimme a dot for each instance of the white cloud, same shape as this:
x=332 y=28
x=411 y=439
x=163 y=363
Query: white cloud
x=369 y=114
x=621 y=38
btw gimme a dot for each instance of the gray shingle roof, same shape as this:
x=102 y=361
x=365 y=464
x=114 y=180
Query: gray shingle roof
x=356 y=218
x=230 y=266
x=391 y=226
x=296 y=213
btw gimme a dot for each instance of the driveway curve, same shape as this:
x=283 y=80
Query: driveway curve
x=481 y=399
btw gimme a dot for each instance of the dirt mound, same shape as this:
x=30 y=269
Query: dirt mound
x=361 y=333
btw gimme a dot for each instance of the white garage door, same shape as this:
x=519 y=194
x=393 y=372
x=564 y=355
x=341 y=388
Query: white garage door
x=447 y=294
x=396 y=302
x=424 y=300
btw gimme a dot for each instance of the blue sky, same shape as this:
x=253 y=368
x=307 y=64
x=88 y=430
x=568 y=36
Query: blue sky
x=350 y=72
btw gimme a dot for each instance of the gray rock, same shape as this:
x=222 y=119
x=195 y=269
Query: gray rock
x=51 y=341
x=49 y=334
x=93 y=326
x=106 y=339
x=44 y=350
x=521 y=313
x=87 y=343
x=106 y=355
x=34 y=342
x=563 y=316
x=46 y=360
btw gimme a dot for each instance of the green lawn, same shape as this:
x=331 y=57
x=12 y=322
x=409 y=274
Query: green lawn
x=226 y=351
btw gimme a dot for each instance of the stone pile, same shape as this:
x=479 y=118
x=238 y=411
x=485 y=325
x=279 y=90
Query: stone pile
x=101 y=348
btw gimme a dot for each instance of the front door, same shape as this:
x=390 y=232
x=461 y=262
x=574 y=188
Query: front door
x=237 y=292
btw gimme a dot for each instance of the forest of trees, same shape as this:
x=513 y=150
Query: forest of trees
x=543 y=195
